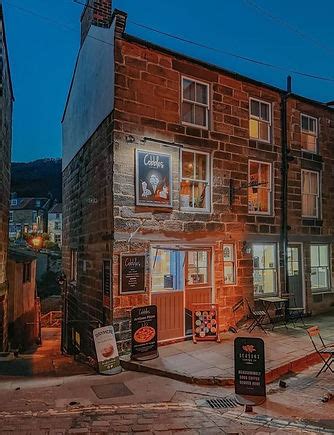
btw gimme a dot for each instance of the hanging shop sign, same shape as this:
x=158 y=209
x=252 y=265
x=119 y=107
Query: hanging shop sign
x=153 y=179
x=132 y=273
x=106 y=350
x=249 y=367
x=205 y=322
x=106 y=284
x=144 y=342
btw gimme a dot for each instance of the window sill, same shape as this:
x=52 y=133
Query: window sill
x=322 y=291
x=189 y=124
x=312 y=222
x=312 y=155
x=197 y=210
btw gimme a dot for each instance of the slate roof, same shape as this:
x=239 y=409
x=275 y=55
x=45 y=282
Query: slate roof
x=28 y=203
x=57 y=208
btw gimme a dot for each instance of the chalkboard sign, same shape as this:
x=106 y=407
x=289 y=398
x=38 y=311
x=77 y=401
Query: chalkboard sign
x=132 y=273
x=205 y=322
x=144 y=331
x=249 y=366
x=106 y=283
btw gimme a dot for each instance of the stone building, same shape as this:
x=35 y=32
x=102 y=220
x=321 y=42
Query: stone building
x=6 y=105
x=218 y=185
x=55 y=223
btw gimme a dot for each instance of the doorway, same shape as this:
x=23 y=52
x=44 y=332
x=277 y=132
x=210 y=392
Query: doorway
x=179 y=278
x=295 y=273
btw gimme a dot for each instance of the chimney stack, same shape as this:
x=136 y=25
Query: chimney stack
x=96 y=13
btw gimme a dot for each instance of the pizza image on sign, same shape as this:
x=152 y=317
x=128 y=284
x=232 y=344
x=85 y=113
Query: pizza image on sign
x=144 y=334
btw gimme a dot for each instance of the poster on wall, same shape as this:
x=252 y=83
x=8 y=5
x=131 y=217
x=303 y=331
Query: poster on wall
x=106 y=284
x=249 y=367
x=205 y=322
x=153 y=179
x=132 y=273
x=144 y=333
x=106 y=350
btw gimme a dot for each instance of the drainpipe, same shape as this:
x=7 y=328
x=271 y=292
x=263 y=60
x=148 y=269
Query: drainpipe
x=284 y=171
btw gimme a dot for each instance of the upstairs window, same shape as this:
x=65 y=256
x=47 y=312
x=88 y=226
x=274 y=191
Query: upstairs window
x=309 y=133
x=57 y=225
x=320 y=267
x=310 y=194
x=259 y=187
x=195 y=181
x=13 y=201
x=260 y=120
x=195 y=103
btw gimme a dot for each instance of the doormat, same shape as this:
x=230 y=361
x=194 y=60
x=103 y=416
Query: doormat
x=109 y=391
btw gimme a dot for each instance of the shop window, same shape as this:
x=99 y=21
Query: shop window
x=320 y=267
x=195 y=181
x=260 y=120
x=229 y=264
x=310 y=194
x=259 y=187
x=309 y=133
x=74 y=265
x=195 y=103
x=26 y=272
x=167 y=270
x=198 y=268
x=264 y=269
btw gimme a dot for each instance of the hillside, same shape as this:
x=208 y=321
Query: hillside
x=37 y=178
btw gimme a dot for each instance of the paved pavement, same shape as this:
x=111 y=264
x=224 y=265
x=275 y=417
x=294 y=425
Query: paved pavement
x=286 y=349
x=147 y=404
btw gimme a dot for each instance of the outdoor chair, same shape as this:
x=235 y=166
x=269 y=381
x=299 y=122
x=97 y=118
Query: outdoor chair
x=257 y=317
x=235 y=309
x=325 y=351
x=293 y=312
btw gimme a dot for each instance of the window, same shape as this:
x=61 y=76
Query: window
x=34 y=216
x=310 y=194
x=309 y=133
x=13 y=201
x=74 y=265
x=195 y=176
x=38 y=202
x=167 y=270
x=11 y=216
x=264 y=269
x=57 y=238
x=198 y=268
x=259 y=187
x=320 y=267
x=195 y=103
x=260 y=120
x=26 y=272
x=57 y=225
x=229 y=264
x=57 y=215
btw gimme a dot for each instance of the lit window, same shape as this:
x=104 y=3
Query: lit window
x=319 y=267
x=167 y=270
x=259 y=187
x=195 y=103
x=309 y=133
x=229 y=264
x=260 y=120
x=195 y=176
x=198 y=267
x=264 y=269
x=310 y=194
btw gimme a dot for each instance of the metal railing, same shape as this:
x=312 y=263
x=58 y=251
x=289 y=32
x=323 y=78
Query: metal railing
x=52 y=319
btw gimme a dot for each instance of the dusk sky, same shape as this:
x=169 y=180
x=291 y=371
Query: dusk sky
x=43 y=41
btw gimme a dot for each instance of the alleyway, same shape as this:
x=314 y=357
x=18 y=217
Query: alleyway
x=44 y=360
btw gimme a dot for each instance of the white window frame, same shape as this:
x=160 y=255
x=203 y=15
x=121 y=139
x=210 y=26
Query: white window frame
x=329 y=269
x=258 y=118
x=318 y=211
x=208 y=191
x=13 y=201
x=11 y=216
x=233 y=262
x=271 y=188
x=276 y=272
x=185 y=100
x=310 y=132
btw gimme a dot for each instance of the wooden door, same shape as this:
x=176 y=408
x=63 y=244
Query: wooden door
x=170 y=314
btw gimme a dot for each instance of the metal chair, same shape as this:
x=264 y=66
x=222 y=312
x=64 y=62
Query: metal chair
x=235 y=308
x=257 y=317
x=293 y=312
x=325 y=351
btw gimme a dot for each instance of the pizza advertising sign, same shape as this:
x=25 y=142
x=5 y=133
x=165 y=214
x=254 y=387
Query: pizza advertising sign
x=144 y=329
x=153 y=179
x=249 y=367
x=106 y=350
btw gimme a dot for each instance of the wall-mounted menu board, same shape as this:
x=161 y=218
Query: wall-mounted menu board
x=205 y=322
x=132 y=279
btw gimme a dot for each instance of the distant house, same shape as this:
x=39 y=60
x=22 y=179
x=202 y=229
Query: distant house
x=28 y=215
x=23 y=304
x=55 y=222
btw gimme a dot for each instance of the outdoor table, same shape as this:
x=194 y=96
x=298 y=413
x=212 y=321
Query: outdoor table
x=278 y=304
